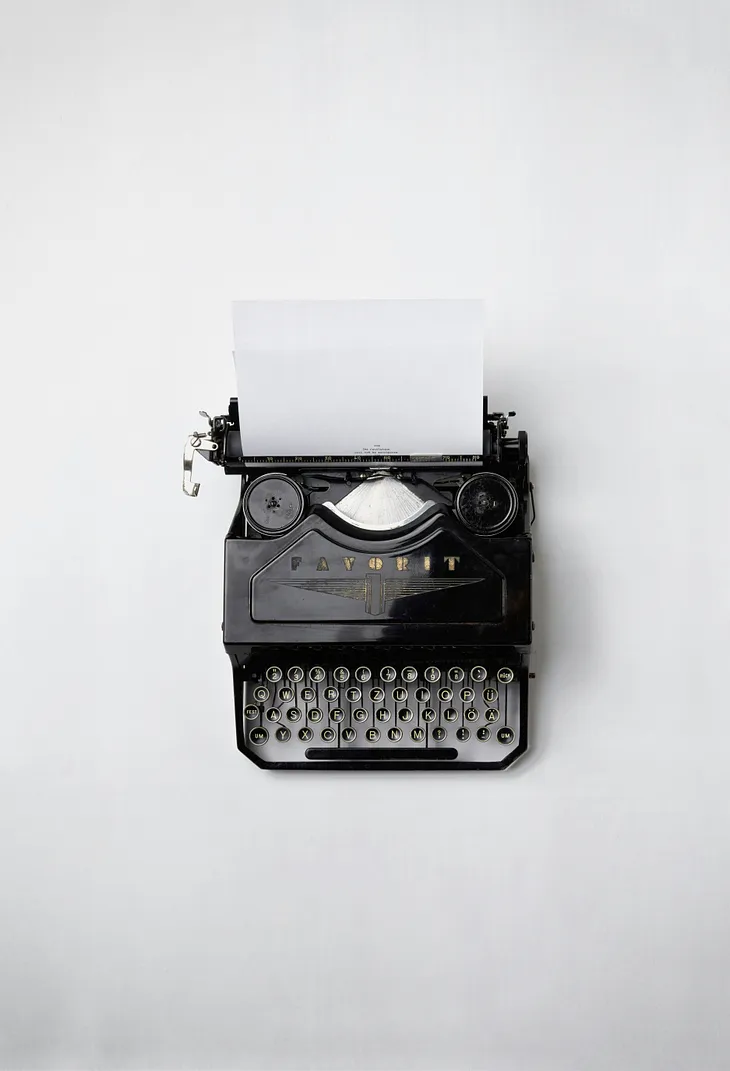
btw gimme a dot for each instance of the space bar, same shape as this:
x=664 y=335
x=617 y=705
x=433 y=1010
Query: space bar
x=358 y=754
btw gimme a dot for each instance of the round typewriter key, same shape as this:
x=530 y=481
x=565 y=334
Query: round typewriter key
x=295 y=674
x=467 y=695
x=377 y=695
x=450 y=714
x=487 y=503
x=387 y=674
x=273 y=714
x=462 y=733
x=307 y=695
x=422 y=695
x=273 y=504
x=261 y=694
x=305 y=733
x=456 y=674
x=258 y=735
x=315 y=714
x=353 y=695
x=285 y=695
x=328 y=734
x=491 y=695
x=418 y=734
x=317 y=674
x=471 y=714
x=337 y=714
x=428 y=714
x=362 y=674
x=348 y=734
x=251 y=712
x=405 y=714
x=382 y=714
x=478 y=674
x=372 y=735
x=409 y=674
x=331 y=694
x=283 y=734
x=395 y=733
x=505 y=675
x=341 y=674
x=293 y=714
x=505 y=735
x=482 y=733
x=439 y=734
x=445 y=695
x=400 y=695
x=274 y=674
x=432 y=674
x=492 y=714
x=360 y=714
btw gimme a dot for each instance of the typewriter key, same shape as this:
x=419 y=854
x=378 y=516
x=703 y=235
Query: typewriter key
x=395 y=733
x=487 y=503
x=251 y=712
x=383 y=714
x=258 y=735
x=362 y=674
x=307 y=695
x=462 y=733
x=387 y=674
x=274 y=674
x=492 y=714
x=422 y=695
x=456 y=674
x=331 y=694
x=273 y=504
x=400 y=695
x=285 y=695
x=439 y=734
x=445 y=695
x=471 y=714
x=328 y=734
x=377 y=695
x=353 y=695
x=405 y=714
x=418 y=734
x=505 y=675
x=341 y=674
x=293 y=714
x=314 y=714
x=273 y=714
x=317 y=674
x=283 y=734
x=409 y=674
x=451 y=714
x=491 y=695
x=467 y=695
x=305 y=733
x=337 y=714
x=261 y=694
x=482 y=733
x=360 y=714
x=478 y=674
x=428 y=714
x=432 y=674
x=372 y=735
x=295 y=674
x=348 y=734
x=505 y=735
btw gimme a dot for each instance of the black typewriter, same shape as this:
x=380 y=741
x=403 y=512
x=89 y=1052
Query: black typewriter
x=377 y=610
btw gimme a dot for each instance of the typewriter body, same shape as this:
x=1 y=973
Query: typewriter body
x=377 y=611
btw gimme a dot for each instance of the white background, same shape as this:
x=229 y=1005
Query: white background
x=163 y=902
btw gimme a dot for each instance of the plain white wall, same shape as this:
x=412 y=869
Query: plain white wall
x=165 y=904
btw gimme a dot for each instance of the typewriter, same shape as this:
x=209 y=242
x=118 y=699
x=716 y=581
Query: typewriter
x=377 y=610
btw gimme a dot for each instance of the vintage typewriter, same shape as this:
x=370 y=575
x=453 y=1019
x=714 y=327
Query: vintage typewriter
x=377 y=611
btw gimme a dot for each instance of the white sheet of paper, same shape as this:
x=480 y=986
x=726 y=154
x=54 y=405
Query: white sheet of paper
x=318 y=378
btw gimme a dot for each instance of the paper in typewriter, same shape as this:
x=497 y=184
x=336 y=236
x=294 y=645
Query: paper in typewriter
x=359 y=378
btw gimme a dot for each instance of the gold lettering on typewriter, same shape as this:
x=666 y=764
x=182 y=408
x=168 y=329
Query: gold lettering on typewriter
x=401 y=564
x=375 y=563
x=427 y=563
x=322 y=566
x=349 y=562
x=452 y=563
x=295 y=563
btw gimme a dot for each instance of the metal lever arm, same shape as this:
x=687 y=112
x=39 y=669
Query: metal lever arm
x=197 y=441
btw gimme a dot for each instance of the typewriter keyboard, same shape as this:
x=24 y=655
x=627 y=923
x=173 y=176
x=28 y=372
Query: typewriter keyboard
x=298 y=713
